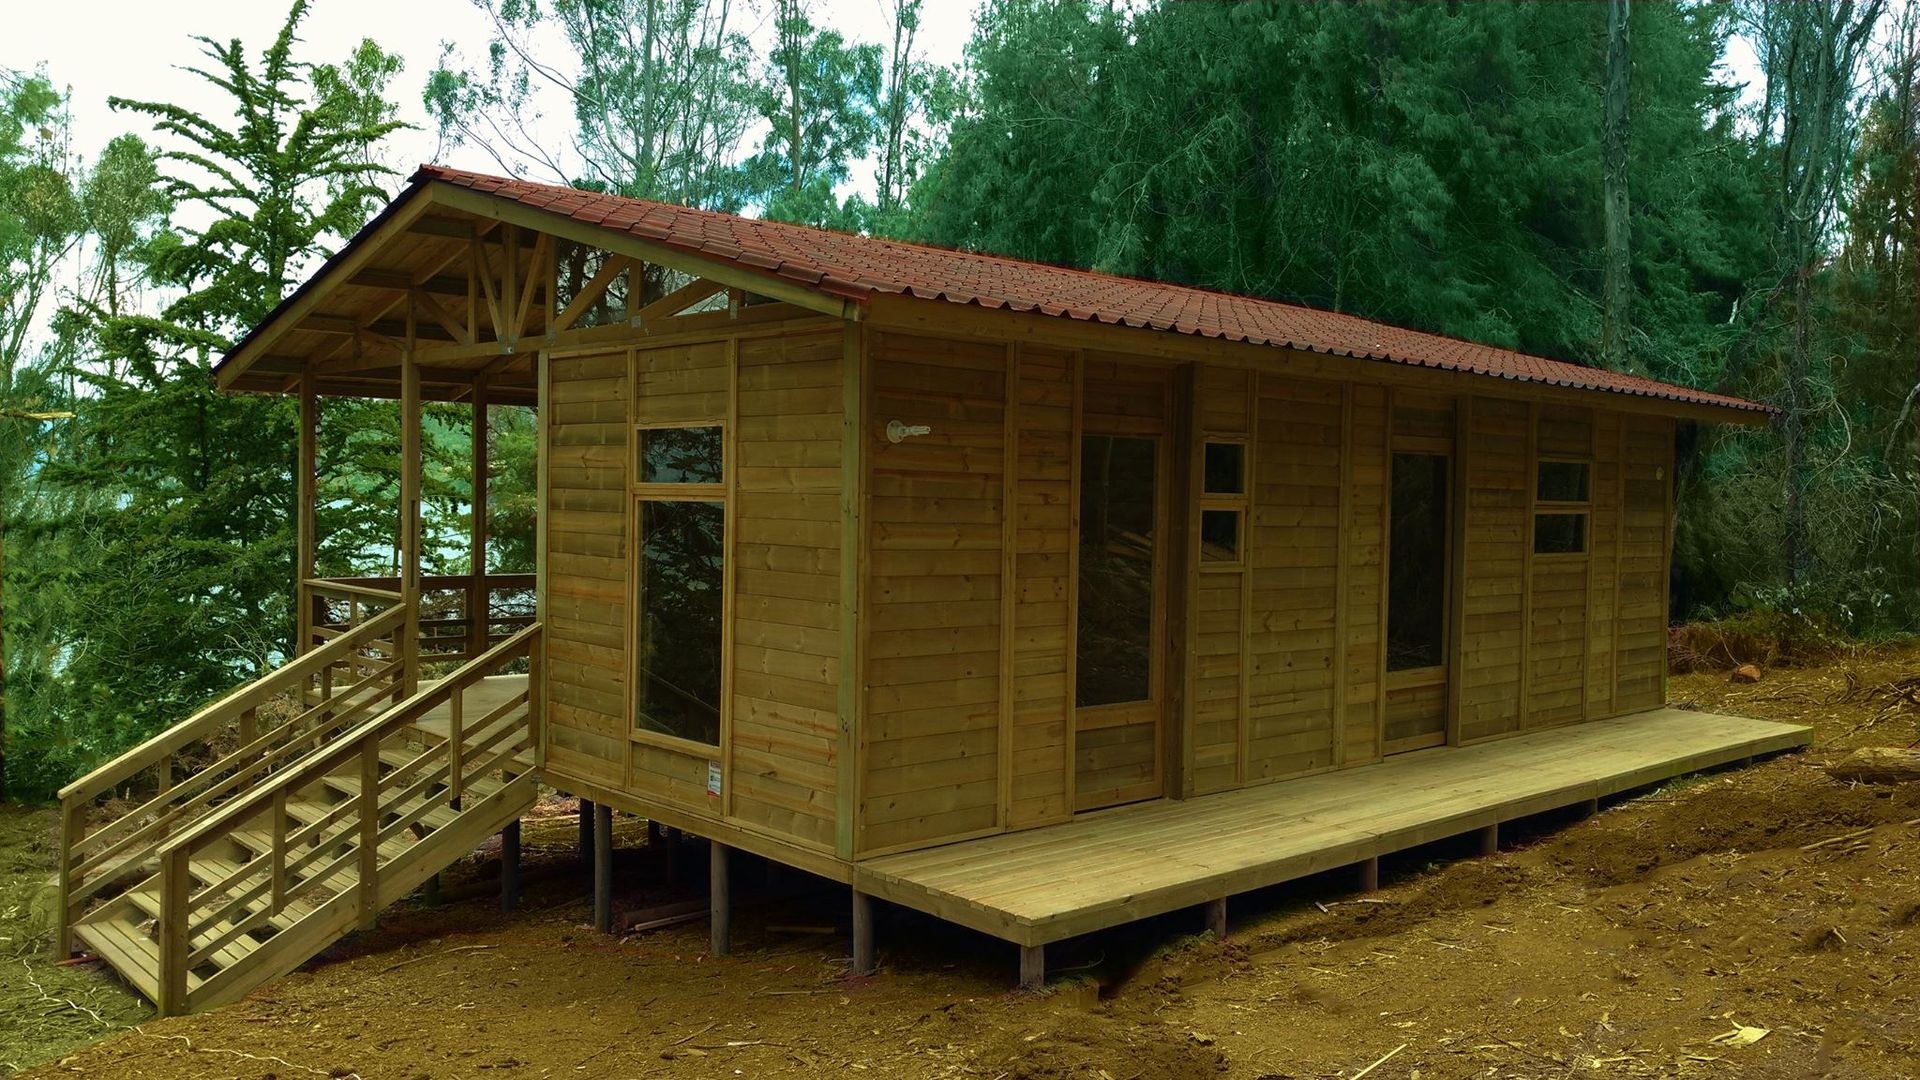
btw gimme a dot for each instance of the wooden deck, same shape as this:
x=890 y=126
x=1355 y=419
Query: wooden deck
x=1116 y=866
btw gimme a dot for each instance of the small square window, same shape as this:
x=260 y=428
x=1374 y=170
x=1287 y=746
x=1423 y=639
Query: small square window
x=689 y=455
x=1225 y=469
x=1559 y=534
x=1563 y=481
x=1220 y=536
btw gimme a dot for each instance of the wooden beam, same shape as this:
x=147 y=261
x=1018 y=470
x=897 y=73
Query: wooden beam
x=719 y=898
x=342 y=267
x=509 y=866
x=853 y=545
x=494 y=208
x=452 y=228
x=863 y=954
x=679 y=300
x=402 y=281
x=306 y=502
x=424 y=301
x=1033 y=967
x=480 y=602
x=1217 y=918
x=410 y=533
x=596 y=287
x=603 y=868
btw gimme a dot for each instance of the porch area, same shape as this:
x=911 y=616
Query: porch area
x=1116 y=866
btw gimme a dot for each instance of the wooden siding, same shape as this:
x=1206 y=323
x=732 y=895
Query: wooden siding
x=1498 y=538
x=930 y=739
x=1646 y=488
x=586 y=614
x=1042 y=673
x=1294 y=553
x=782 y=773
x=1366 y=549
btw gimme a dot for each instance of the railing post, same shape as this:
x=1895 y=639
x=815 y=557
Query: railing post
x=249 y=725
x=279 y=854
x=368 y=900
x=456 y=745
x=70 y=823
x=537 y=696
x=176 y=886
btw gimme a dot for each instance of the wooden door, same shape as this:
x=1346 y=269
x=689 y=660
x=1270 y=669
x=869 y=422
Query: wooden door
x=1120 y=603
x=1419 y=576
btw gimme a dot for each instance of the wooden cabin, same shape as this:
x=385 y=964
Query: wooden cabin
x=1037 y=599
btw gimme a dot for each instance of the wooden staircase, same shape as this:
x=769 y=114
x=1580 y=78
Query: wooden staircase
x=268 y=854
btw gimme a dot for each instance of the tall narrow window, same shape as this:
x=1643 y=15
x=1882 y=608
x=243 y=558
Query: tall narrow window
x=681 y=520
x=1223 y=504
x=1561 y=503
x=1417 y=563
x=1114 y=640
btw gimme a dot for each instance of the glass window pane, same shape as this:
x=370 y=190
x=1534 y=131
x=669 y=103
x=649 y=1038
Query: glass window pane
x=1219 y=536
x=1563 y=481
x=681 y=552
x=1417 y=565
x=1225 y=469
x=1114 y=641
x=1556 y=534
x=689 y=455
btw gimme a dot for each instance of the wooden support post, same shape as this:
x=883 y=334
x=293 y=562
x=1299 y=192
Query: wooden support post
x=1590 y=807
x=720 y=899
x=72 y=820
x=1033 y=967
x=1370 y=875
x=176 y=888
x=430 y=892
x=586 y=831
x=1490 y=840
x=603 y=868
x=479 y=600
x=368 y=811
x=1217 y=918
x=410 y=455
x=863 y=957
x=510 y=866
x=305 y=505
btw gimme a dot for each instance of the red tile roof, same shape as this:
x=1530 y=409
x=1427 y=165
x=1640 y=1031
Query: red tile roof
x=856 y=267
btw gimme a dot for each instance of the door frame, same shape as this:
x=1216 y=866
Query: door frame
x=1155 y=708
x=1445 y=674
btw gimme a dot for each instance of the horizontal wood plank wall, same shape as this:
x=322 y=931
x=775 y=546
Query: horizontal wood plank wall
x=1498 y=538
x=1604 y=577
x=787 y=667
x=1294 y=551
x=929 y=742
x=1646 y=473
x=1366 y=550
x=586 y=627
x=1557 y=616
x=1043 y=569
x=1122 y=762
x=1222 y=601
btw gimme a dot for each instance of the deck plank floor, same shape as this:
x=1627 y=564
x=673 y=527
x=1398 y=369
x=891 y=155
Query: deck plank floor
x=1115 y=866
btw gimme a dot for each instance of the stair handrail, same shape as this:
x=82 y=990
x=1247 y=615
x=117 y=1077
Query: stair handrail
x=234 y=712
x=361 y=744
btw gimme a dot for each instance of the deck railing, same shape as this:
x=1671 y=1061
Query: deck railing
x=325 y=872
x=460 y=617
x=179 y=774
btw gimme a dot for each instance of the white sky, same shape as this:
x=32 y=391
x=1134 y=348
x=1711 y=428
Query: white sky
x=136 y=49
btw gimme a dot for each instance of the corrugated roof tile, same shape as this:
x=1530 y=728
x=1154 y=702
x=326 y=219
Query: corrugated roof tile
x=859 y=266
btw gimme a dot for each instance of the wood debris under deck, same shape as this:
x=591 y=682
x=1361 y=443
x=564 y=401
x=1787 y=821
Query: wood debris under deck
x=1132 y=862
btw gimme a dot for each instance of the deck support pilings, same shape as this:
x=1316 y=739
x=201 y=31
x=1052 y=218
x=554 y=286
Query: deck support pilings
x=1217 y=918
x=1590 y=808
x=863 y=955
x=510 y=866
x=719 y=899
x=603 y=868
x=1033 y=967
x=586 y=830
x=1490 y=840
x=1370 y=874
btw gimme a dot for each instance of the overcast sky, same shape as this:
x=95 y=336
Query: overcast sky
x=136 y=49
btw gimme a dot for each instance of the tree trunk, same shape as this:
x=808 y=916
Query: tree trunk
x=1794 y=432
x=1617 y=317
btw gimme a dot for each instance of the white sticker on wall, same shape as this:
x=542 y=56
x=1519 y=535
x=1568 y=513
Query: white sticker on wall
x=713 y=778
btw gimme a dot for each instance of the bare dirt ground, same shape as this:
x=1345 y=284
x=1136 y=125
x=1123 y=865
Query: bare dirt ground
x=1754 y=923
